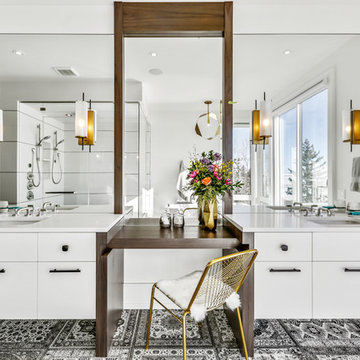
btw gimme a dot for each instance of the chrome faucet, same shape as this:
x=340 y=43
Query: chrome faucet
x=321 y=209
x=28 y=209
x=305 y=210
x=46 y=205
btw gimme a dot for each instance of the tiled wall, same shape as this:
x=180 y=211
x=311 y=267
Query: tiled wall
x=90 y=174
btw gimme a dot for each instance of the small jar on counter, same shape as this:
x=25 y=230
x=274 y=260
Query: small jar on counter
x=179 y=220
x=165 y=220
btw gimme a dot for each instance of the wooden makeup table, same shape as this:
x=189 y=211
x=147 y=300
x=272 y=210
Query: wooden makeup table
x=146 y=234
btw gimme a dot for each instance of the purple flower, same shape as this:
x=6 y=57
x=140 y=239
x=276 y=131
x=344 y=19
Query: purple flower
x=211 y=168
x=217 y=156
x=205 y=161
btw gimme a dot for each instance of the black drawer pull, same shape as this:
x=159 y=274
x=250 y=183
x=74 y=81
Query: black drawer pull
x=2 y=271
x=351 y=270
x=65 y=271
x=285 y=270
x=65 y=248
x=284 y=247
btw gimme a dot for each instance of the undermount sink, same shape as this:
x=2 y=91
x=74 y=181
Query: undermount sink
x=335 y=221
x=62 y=208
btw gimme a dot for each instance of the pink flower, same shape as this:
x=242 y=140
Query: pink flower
x=218 y=177
x=195 y=180
x=228 y=182
x=193 y=174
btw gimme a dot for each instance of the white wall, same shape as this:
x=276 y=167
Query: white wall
x=255 y=16
x=173 y=139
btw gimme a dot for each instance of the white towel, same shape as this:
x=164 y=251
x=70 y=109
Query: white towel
x=355 y=177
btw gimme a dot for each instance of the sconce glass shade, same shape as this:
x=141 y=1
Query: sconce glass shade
x=346 y=125
x=265 y=119
x=91 y=129
x=1 y=126
x=81 y=119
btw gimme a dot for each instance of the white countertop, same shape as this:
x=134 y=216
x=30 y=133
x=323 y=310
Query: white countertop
x=63 y=223
x=286 y=222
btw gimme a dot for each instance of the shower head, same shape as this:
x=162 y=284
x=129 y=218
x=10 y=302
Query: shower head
x=61 y=141
x=44 y=138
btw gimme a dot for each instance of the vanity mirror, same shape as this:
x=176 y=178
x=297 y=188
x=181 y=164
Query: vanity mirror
x=41 y=160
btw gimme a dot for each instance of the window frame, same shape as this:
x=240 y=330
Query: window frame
x=327 y=83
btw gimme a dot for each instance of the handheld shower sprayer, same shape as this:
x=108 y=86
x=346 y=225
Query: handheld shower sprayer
x=56 y=159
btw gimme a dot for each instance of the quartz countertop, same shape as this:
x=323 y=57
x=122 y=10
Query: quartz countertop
x=286 y=222
x=60 y=223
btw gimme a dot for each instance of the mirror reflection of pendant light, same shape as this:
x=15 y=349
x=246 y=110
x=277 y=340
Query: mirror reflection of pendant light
x=351 y=126
x=207 y=124
x=261 y=124
x=85 y=123
x=1 y=126
x=90 y=139
x=81 y=120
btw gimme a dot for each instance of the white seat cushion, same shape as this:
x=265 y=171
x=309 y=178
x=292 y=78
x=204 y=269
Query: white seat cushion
x=181 y=290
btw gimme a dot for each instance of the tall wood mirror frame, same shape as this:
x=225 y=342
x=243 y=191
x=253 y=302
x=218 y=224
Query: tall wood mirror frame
x=175 y=19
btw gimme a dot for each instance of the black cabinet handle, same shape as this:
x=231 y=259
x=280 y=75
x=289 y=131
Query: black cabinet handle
x=284 y=247
x=351 y=270
x=2 y=271
x=65 y=271
x=65 y=248
x=285 y=270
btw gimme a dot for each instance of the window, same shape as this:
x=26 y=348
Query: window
x=303 y=150
x=241 y=150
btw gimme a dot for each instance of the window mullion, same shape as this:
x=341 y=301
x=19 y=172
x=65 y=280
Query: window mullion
x=299 y=152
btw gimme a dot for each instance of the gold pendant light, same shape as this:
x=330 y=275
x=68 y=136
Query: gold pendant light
x=207 y=124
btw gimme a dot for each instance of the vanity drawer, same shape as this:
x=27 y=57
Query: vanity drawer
x=66 y=290
x=283 y=290
x=18 y=290
x=67 y=247
x=18 y=247
x=336 y=290
x=336 y=246
x=283 y=246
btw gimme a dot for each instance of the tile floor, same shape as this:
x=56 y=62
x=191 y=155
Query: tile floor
x=274 y=339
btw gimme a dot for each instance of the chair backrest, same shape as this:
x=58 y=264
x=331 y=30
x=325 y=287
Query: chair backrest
x=222 y=277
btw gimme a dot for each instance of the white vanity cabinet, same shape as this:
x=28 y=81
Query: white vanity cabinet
x=283 y=275
x=66 y=276
x=18 y=276
x=47 y=275
x=336 y=275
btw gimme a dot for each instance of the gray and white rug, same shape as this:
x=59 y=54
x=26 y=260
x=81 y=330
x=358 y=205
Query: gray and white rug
x=274 y=339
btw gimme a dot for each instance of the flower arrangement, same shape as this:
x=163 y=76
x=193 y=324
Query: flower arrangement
x=210 y=177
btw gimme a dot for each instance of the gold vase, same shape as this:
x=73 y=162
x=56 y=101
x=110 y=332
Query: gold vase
x=209 y=214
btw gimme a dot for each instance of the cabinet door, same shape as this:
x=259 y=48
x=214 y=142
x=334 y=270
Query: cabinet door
x=283 y=290
x=336 y=289
x=18 y=290
x=67 y=290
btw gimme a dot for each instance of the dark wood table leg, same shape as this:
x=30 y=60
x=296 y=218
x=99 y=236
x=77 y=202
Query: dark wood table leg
x=109 y=293
x=247 y=301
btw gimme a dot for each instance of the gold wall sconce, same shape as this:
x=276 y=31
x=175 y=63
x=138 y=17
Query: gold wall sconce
x=207 y=124
x=85 y=123
x=261 y=124
x=351 y=126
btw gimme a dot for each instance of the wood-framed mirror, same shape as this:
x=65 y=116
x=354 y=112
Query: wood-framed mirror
x=178 y=19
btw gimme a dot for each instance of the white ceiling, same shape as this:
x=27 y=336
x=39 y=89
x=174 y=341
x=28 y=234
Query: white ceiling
x=192 y=69
x=90 y=55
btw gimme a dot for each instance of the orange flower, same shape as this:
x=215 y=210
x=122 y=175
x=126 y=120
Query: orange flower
x=206 y=181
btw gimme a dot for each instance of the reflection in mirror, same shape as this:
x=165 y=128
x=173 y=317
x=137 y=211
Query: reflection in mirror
x=166 y=117
x=309 y=80
x=41 y=160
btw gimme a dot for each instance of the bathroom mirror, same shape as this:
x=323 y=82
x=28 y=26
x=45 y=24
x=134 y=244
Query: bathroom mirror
x=169 y=79
x=41 y=77
x=310 y=79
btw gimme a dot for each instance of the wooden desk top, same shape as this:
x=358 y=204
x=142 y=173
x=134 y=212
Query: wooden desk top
x=143 y=234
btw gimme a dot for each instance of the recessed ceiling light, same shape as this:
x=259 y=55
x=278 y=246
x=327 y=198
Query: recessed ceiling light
x=68 y=114
x=18 y=52
x=153 y=53
x=287 y=52
x=155 y=71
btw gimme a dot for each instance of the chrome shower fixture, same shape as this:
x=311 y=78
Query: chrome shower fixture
x=40 y=138
x=56 y=159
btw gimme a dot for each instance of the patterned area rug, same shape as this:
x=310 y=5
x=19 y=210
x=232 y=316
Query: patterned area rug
x=274 y=339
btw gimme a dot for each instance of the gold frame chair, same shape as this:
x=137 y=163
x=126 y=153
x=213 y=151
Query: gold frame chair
x=221 y=277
